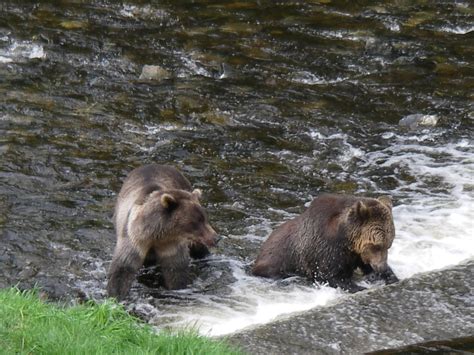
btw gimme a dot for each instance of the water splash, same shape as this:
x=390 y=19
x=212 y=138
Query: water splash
x=22 y=51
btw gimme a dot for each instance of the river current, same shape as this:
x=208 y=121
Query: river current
x=263 y=105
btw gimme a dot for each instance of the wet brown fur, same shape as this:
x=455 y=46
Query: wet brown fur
x=157 y=216
x=333 y=237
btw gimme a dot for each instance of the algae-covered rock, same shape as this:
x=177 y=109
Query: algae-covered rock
x=191 y=104
x=216 y=118
x=73 y=25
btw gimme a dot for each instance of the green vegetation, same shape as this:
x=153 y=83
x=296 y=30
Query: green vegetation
x=30 y=326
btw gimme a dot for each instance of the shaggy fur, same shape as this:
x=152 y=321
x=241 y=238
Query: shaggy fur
x=333 y=237
x=157 y=216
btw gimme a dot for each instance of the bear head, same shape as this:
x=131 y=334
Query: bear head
x=371 y=231
x=178 y=215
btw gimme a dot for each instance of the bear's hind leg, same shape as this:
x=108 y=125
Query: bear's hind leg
x=125 y=263
x=266 y=269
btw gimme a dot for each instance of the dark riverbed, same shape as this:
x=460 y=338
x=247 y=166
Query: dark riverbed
x=262 y=105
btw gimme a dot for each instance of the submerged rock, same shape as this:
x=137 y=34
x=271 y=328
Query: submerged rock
x=73 y=25
x=154 y=72
x=419 y=120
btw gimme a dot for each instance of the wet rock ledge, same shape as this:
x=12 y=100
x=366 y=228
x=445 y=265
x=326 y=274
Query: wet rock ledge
x=433 y=306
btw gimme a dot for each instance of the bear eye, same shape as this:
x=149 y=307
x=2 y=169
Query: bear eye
x=193 y=226
x=375 y=248
x=200 y=218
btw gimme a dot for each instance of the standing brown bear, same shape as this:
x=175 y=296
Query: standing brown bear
x=158 y=214
x=334 y=236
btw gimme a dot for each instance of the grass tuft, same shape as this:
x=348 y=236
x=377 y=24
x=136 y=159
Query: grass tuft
x=30 y=326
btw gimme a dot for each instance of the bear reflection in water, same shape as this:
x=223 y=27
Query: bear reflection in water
x=158 y=217
x=336 y=235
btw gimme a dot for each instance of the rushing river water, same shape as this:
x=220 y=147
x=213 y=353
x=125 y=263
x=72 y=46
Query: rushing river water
x=262 y=105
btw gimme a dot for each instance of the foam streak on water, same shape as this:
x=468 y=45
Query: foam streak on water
x=252 y=301
x=459 y=30
x=21 y=51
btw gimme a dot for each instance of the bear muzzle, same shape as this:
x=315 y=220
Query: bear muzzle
x=211 y=238
x=379 y=267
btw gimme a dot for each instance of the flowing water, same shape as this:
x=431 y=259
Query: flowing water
x=262 y=105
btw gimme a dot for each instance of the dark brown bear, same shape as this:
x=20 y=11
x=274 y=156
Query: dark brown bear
x=158 y=214
x=334 y=236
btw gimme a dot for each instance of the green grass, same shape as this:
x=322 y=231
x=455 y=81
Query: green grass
x=31 y=326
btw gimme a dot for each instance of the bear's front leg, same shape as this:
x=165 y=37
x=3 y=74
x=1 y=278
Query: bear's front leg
x=388 y=275
x=174 y=263
x=346 y=284
x=198 y=250
x=125 y=264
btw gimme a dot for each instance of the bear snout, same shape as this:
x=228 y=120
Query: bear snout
x=379 y=267
x=209 y=237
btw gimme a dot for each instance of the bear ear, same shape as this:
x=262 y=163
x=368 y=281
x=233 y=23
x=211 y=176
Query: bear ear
x=167 y=201
x=362 y=210
x=197 y=193
x=386 y=201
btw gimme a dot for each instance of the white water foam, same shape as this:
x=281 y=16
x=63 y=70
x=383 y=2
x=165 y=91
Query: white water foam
x=21 y=51
x=191 y=66
x=252 y=301
x=145 y=12
x=347 y=35
x=458 y=30
x=304 y=77
x=392 y=24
